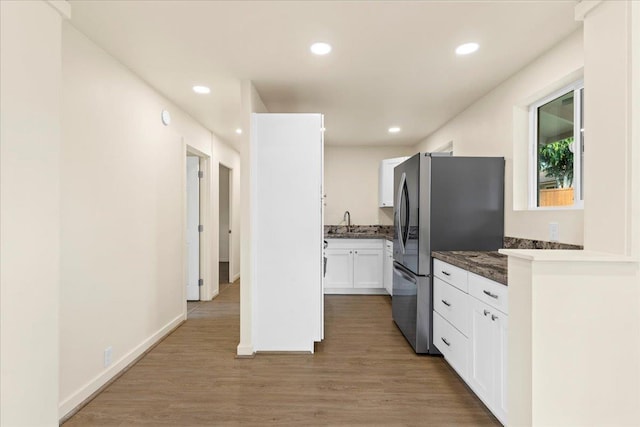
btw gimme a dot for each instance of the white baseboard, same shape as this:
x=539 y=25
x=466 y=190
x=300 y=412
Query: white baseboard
x=355 y=291
x=79 y=397
x=245 y=350
x=235 y=277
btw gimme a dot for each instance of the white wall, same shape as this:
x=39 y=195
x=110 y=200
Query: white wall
x=251 y=103
x=30 y=212
x=351 y=183
x=224 y=214
x=122 y=215
x=495 y=126
x=569 y=284
x=608 y=193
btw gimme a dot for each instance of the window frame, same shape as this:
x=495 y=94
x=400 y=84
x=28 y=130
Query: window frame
x=577 y=88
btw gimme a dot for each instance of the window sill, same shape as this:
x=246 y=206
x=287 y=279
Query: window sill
x=579 y=207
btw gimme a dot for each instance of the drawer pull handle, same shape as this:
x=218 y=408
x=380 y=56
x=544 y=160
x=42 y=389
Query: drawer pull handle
x=490 y=294
x=486 y=312
x=445 y=302
x=494 y=317
x=446 y=342
x=446 y=273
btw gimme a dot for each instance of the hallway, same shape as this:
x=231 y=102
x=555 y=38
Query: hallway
x=364 y=373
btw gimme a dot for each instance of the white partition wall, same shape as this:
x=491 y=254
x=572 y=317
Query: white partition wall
x=287 y=231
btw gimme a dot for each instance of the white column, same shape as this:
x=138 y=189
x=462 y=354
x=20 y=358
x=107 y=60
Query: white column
x=30 y=82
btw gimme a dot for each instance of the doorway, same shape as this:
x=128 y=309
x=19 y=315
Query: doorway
x=225 y=243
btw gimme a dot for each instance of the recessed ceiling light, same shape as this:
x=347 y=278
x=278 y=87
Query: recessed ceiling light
x=201 y=89
x=467 y=48
x=238 y=131
x=320 y=48
x=394 y=129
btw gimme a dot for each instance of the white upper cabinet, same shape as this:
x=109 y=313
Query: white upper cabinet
x=385 y=184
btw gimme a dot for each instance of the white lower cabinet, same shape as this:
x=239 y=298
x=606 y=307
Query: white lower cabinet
x=481 y=375
x=339 y=268
x=388 y=267
x=452 y=344
x=367 y=268
x=500 y=368
x=479 y=326
x=354 y=266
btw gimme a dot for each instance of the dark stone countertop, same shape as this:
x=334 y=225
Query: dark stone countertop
x=358 y=232
x=357 y=236
x=491 y=265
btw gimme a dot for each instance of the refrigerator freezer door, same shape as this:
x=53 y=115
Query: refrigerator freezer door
x=412 y=308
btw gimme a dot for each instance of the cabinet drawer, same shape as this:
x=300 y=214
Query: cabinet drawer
x=451 y=274
x=452 y=344
x=452 y=304
x=388 y=244
x=493 y=293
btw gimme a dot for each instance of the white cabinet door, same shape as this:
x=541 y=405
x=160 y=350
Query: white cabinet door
x=488 y=371
x=480 y=375
x=452 y=344
x=500 y=328
x=385 y=181
x=452 y=304
x=388 y=271
x=339 y=268
x=367 y=268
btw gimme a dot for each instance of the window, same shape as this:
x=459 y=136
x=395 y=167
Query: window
x=557 y=149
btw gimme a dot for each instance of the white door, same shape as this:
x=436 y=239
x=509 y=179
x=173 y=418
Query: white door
x=367 y=268
x=193 y=234
x=321 y=231
x=339 y=268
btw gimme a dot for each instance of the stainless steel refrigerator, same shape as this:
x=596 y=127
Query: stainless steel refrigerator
x=442 y=203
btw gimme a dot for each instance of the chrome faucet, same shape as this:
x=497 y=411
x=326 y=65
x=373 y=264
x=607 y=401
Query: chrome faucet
x=347 y=217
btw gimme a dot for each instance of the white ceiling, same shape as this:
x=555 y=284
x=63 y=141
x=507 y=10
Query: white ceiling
x=393 y=62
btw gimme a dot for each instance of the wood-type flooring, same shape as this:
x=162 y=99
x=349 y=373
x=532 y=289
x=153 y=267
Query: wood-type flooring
x=364 y=373
x=223 y=275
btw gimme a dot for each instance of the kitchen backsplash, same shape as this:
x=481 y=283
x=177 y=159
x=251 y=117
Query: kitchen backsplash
x=518 y=243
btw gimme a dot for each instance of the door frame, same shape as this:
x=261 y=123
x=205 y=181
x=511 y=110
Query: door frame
x=205 y=219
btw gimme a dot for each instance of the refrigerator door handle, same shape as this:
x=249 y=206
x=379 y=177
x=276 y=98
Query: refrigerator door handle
x=404 y=275
x=399 y=227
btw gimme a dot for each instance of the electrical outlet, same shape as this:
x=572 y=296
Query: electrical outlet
x=107 y=356
x=554 y=232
